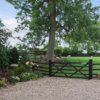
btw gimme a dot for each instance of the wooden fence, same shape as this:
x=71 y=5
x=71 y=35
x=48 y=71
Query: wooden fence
x=69 y=69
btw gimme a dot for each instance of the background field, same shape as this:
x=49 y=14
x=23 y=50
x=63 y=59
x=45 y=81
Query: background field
x=82 y=59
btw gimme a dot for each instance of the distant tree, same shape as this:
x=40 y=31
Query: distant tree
x=14 y=55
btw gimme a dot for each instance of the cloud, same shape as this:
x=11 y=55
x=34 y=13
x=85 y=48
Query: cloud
x=10 y=23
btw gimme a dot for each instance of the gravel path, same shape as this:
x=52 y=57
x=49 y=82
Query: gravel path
x=52 y=88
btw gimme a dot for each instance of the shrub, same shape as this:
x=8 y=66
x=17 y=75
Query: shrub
x=2 y=82
x=14 y=79
x=66 y=51
x=25 y=76
x=17 y=70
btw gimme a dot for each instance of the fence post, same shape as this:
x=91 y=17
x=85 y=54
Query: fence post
x=90 y=64
x=50 y=68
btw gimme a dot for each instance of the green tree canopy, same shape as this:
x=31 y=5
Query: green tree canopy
x=67 y=19
x=4 y=33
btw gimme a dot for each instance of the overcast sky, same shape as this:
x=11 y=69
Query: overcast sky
x=8 y=14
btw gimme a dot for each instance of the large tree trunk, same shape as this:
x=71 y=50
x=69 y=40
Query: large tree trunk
x=51 y=45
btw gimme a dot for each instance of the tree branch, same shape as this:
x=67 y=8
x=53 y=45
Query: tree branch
x=63 y=27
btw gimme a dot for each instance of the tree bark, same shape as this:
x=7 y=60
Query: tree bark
x=51 y=44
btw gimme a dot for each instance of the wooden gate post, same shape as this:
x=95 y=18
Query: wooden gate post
x=50 y=68
x=90 y=65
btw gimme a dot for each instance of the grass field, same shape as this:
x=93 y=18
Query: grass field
x=82 y=59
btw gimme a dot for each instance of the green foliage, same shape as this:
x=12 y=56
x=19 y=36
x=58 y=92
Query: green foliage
x=17 y=70
x=2 y=82
x=14 y=79
x=75 y=20
x=4 y=33
x=66 y=51
x=25 y=76
x=3 y=57
x=21 y=73
x=23 y=53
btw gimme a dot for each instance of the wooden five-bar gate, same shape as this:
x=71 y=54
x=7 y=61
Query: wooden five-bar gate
x=68 y=69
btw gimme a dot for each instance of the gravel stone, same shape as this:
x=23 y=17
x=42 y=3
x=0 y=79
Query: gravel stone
x=53 y=88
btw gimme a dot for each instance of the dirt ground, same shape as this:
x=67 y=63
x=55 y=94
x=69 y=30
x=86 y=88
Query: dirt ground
x=53 y=88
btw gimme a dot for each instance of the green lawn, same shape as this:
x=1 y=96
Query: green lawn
x=82 y=59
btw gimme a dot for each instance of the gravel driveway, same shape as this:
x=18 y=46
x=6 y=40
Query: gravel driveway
x=52 y=88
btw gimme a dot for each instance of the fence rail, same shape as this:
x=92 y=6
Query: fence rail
x=69 y=69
